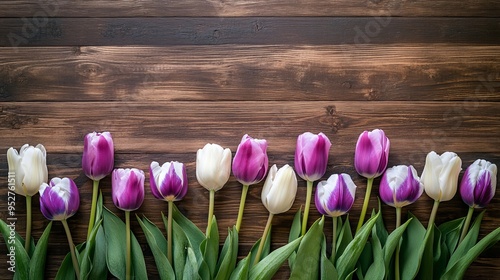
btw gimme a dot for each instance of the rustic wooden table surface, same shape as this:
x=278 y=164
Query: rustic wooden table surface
x=166 y=77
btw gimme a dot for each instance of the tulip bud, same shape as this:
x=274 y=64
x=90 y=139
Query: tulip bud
x=98 y=155
x=372 y=153
x=280 y=188
x=335 y=196
x=59 y=199
x=213 y=166
x=127 y=188
x=479 y=183
x=168 y=182
x=311 y=155
x=400 y=186
x=250 y=162
x=440 y=175
x=29 y=168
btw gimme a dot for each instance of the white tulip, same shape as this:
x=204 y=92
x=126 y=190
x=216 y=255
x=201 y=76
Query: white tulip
x=29 y=168
x=280 y=188
x=213 y=166
x=440 y=175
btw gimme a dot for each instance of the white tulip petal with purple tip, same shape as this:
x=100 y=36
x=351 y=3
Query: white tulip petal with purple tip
x=335 y=196
x=478 y=184
x=59 y=199
x=169 y=181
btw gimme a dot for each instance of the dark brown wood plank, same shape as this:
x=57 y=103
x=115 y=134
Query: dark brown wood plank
x=414 y=72
x=16 y=32
x=150 y=8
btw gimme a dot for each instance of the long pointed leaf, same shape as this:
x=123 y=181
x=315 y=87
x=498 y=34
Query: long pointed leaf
x=450 y=232
x=66 y=270
x=267 y=267
x=193 y=233
x=295 y=232
x=37 y=262
x=327 y=270
x=410 y=255
x=265 y=251
x=228 y=256
x=377 y=268
x=468 y=242
x=309 y=253
x=345 y=237
x=241 y=270
x=16 y=246
x=392 y=241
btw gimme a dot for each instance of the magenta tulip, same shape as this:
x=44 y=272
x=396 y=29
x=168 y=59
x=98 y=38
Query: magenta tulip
x=127 y=186
x=372 y=153
x=250 y=162
x=311 y=155
x=168 y=182
x=98 y=155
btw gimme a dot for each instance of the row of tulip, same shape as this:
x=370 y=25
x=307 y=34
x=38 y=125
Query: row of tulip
x=400 y=186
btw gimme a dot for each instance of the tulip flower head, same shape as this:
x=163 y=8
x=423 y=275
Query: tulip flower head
x=335 y=196
x=400 y=186
x=372 y=153
x=280 y=188
x=479 y=183
x=29 y=168
x=213 y=166
x=250 y=162
x=169 y=181
x=127 y=188
x=440 y=175
x=311 y=155
x=98 y=155
x=59 y=199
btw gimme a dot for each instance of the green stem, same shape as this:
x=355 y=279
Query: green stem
x=308 y=205
x=466 y=225
x=28 y=224
x=128 y=264
x=71 y=249
x=369 y=185
x=242 y=207
x=263 y=239
x=433 y=214
x=396 y=262
x=334 y=240
x=169 y=231
x=210 y=210
x=95 y=190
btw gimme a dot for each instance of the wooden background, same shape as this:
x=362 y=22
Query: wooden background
x=166 y=77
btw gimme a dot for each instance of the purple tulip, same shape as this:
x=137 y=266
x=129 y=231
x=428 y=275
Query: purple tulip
x=98 y=155
x=59 y=199
x=168 y=182
x=250 y=162
x=311 y=155
x=479 y=183
x=400 y=186
x=127 y=188
x=372 y=153
x=335 y=196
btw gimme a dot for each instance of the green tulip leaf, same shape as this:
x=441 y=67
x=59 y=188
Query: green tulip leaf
x=295 y=232
x=191 y=267
x=327 y=269
x=241 y=270
x=364 y=260
x=265 y=250
x=440 y=254
x=450 y=233
x=228 y=256
x=66 y=270
x=344 y=238
x=411 y=243
x=268 y=266
x=392 y=242
x=309 y=253
x=382 y=233
x=210 y=248
x=16 y=245
x=468 y=242
x=377 y=268
x=346 y=262
x=99 y=269
x=180 y=243
x=457 y=270
x=37 y=262
x=193 y=233
x=115 y=233
x=86 y=264
x=158 y=246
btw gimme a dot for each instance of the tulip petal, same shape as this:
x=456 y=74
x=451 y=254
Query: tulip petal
x=154 y=172
x=483 y=192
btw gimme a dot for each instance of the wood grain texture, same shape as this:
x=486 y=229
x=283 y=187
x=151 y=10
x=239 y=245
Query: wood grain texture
x=15 y=32
x=239 y=8
x=399 y=72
